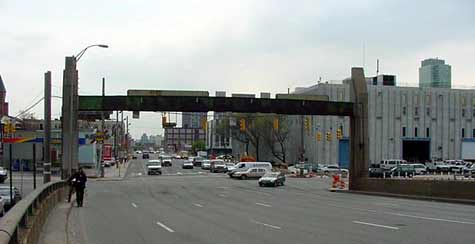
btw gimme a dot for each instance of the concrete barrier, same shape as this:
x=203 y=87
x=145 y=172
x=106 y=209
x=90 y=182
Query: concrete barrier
x=464 y=190
x=23 y=223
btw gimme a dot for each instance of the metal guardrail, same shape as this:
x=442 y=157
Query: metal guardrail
x=23 y=222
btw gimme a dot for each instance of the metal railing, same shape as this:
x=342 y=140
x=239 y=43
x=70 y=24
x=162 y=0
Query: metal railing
x=23 y=222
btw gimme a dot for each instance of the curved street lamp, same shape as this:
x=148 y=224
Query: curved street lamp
x=79 y=55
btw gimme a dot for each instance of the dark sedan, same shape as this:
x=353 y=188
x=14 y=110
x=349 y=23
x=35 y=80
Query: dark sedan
x=272 y=179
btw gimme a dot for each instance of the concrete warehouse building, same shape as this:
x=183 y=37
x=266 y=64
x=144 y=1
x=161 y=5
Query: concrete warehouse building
x=411 y=123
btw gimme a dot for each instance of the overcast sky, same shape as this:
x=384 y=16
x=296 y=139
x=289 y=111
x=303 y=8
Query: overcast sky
x=234 y=46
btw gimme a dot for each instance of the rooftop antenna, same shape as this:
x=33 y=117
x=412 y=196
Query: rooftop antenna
x=377 y=67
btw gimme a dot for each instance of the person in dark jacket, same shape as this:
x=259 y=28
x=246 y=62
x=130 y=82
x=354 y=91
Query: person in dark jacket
x=79 y=183
x=71 y=186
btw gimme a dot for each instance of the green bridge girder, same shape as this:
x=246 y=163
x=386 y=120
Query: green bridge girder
x=216 y=104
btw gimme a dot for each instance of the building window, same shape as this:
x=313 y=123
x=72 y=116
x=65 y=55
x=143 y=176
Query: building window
x=41 y=126
x=403 y=110
x=473 y=101
x=404 y=131
x=463 y=132
x=428 y=111
x=404 y=99
x=416 y=99
x=463 y=101
x=428 y=99
x=463 y=112
x=416 y=111
x=415 y=132
x=427 y=132
x=473 y=133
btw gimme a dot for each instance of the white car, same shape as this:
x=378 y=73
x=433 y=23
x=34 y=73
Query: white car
x=332 y=169
x=420 y=169
x=206 y=164
x=187 y=164
x=230 y=167
x=3 y=174
x=154 y=167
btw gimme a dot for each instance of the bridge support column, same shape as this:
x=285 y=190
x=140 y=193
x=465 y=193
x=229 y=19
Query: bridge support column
x=359 y=142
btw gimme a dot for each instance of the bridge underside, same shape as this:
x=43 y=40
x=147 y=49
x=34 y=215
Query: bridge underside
x=216 y=104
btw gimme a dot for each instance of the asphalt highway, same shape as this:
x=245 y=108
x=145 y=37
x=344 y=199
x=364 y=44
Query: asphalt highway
x=186 y=206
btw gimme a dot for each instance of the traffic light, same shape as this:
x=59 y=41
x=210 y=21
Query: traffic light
x=307 y=123
x=329 y=136
x=339 y=134
x=276 y=124
x=242 y=124
x=319 y=136
x=204 y=123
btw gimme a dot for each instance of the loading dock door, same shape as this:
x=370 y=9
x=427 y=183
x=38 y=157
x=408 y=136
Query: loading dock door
x=416 y=150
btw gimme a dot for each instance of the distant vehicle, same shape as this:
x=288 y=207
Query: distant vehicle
x=205 y=164
x=438 y=167
x=469 y=171
x=456 y=166
x=272 y=179
x=107 y=152
x=154 y=167
x=250 y=173
x=244 y=166
x=391 y=163
x=376 y=171
x=197 y=161
x=420 y=169
x=230 y=167
x=333 y=169
x=5 y=194
x=404 y=170
x=134 y=156
x=3 y=174
x=202 y=154
x=107 y=164
x=217 y=166
x=166 y=161
x=138 y=152
x=187 y=165
x=145 y=156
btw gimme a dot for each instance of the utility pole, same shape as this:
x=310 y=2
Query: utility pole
x=47 y=132
x=127 y=136
x=115 y=138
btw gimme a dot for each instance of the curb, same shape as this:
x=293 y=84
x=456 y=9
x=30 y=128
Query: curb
x=114 y=178
x=413 y=197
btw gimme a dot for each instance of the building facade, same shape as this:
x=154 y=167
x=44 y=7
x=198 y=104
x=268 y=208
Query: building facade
x=192 y=119
x=179 y=139
x=435 y=73
x=3 y=96
x=411 y=123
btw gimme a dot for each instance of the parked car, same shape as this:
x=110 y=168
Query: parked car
x=145 y=156
x=187 y=165
x=272 y=179
x=2 y=207
x=333 y=169
x=420 y=169
x=391 y=163
x=5 y=194
x=375 y=170
x=244 y=166
x=469 y=171
x=250 y=173
x=154 y=167
x=404 y=170
x=438 y=167
x=206 y=164
x=217 y=166
x=3 y=174
x=456 y=166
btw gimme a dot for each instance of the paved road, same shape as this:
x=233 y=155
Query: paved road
x=212 y=208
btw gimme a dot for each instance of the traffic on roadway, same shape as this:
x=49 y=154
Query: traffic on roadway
x=187 y=203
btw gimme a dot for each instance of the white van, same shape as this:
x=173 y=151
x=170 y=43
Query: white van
x=391 y=163
x=244 y=166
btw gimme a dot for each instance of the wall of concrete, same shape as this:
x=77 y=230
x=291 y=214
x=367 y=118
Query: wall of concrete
x=428 y=188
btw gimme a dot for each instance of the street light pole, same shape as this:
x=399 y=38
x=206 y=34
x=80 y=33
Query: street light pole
x=47 y=132
x=70 y=134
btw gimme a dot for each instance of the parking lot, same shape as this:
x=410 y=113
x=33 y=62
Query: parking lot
x=193 y=206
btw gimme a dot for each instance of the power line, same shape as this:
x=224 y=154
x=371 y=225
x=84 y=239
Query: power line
x=29 y=108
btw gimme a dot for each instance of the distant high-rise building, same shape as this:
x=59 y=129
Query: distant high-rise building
x=192 y=120
x=435 y=73
x=3 y=103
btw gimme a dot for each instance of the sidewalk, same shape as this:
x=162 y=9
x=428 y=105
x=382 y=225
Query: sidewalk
x=114 y=172
x=55 y=229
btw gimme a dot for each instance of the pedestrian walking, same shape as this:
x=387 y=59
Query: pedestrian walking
x=71 y=186
x=79 y=183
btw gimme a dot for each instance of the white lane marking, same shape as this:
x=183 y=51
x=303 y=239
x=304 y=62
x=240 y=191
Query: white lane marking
x=266 y=225
x=376 y=225
x=139 y=174
x=386 y=204
x=165 y=227
x=198 y=205
x=263 y=204
x=222 y=195
x=179 y=173
x=223 y=187
x=134 y=205
x=429 y=218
